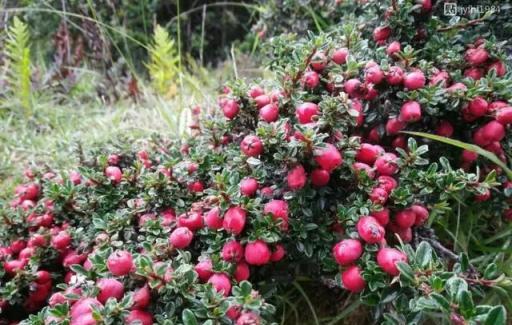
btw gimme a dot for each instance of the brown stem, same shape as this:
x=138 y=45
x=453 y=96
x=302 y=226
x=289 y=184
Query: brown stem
x=297 y=77
x=461 y=25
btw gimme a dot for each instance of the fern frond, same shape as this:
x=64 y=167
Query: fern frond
x=17 y=52
x=163 y=63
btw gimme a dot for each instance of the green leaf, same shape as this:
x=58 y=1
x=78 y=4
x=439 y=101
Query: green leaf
x=496 y=316
x=188 y=317
x=424 y=254
x=455 y=286
x=406 y=272
x=471 y=147
x=466 y=305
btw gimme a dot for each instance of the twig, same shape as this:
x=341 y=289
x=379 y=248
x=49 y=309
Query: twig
x=462 y=25
x=297 y=77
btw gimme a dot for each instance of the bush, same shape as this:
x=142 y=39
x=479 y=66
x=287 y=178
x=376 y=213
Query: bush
x=302 y=176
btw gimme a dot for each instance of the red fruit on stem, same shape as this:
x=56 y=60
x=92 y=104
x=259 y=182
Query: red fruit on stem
x=230 y=108
x=278 y=209
x=328 y=157
x=248 y=318
x=347 y=251
x=504 y=115
x=114 y=174
x=476 y=56
x=221 y=283
x=141 y=297
x=204 y=269
x=278 y=253
x=138 y=317
x=120 y=263
x=499 y=68
x=318 y=61
x=296 y=178
x=306 y=112
x=370 y=230
x=242 y=272
x=232 y=251
x=251 y=146
x=213 y=219
x=234 y=220
x=61 y=240
x=444 y=129
x=414 y=80
x=493 y=131
x=262 y=100
x=320 y=177
x=394 y=125
x=381 y=216
x=181 y=237
x=352 y=87
x=257 y=253
x=421 y=213
x=478 y=107
x=405 y=218
x=310 y=79
x=393 y=48
x=378 y=195
x=395 y=76
x=191 y=220
x=339 y=56
x=109 y=288
x=387 y=258
x=374 y=75
x=387 y=164
x=352 y=279
x=381 y=34
x=269 y=113
x=248 y=186
x=255 y=91
x=410 y=112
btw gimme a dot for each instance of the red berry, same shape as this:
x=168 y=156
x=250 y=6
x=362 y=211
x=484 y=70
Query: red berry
x=444 y=129
x=234 y=220
x=381 y=216
x=306 y=112
x=242 y=272
x=138 y=317
x=262 y=100
x=230 y=108
x=196 y=187
x=278 y=253
x=499 y=67
x=352 y=87
x=141 y=297
x=257 y=253
x=476 y=56
x=278 y=209
x=352 y=279
x=387 y=259
x=213 y=219
x=109 y=288
x=328 y=157
x=405 y=218
x=493 y=131
x=269 y=113
x=395 y=76
x=114 y=174
x=378 y=195
x=232 y=251
x=181 y=237
x=370 y=230
x=339 y=56
x=13 y=266
x=248 y=318
x=251 y=146
x=394 y=125
x=120 y=263
x=474 y=73
x=393 y=48
x=310 y=79
x=61 y=240
x=387 y=164
x=414 y=80
x=374 y=74
x=318 y=61
x=248 y=186
x=504 y=115
x=320 y=177
x=381 y=34
x=478 y=107
x=221 y=283
x=421 y=213
x=255 y=91
x=368 y=153
x=296 y=178
x=347 y=251
x=204 y=269
x=191 y=220
x=410 y=112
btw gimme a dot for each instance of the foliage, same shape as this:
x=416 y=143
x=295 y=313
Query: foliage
x=18 y=69
x=163 y=63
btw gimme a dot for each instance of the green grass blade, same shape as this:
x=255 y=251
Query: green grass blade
x=471 y=147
